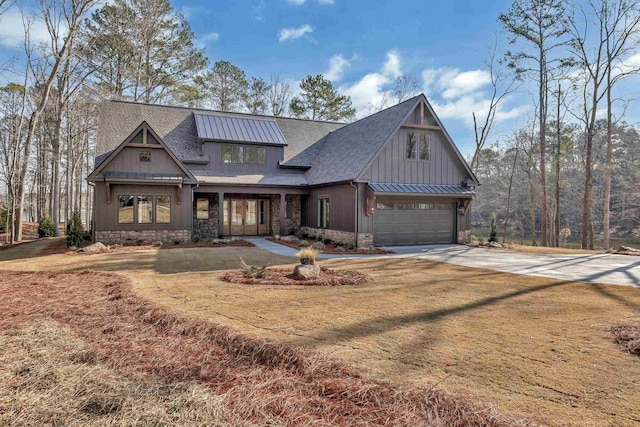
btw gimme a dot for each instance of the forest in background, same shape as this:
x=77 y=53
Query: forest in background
x=569 y=175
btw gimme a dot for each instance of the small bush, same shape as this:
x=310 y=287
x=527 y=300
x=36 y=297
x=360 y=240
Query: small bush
x=303 y=243
x=75 y=231
x=307 y=253
x=195 y=238
x=339 y=249
x=46 y=227
x=351 y=245
x=299 y=234
x=253 y=270
x=319 y=246
x=3 y=220
x=493 y=235
x=295 y=240
x=338 y=243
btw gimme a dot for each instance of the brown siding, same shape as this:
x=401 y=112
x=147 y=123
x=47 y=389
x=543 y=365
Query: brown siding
x=106 y=215
x=341 y=206
x=391 y=166
x=128 y=160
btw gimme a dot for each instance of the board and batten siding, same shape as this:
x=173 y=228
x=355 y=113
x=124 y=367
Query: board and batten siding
x=106 y=214
x=390 y=165
x=128 y=160
x=341 y=206
x=213 y=150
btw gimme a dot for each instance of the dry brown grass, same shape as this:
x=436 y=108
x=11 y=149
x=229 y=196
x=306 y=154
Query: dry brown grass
x=545 y=250
x=259 y=381
x=628 y=336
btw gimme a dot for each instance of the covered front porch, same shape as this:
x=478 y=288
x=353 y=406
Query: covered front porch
x=236 y=211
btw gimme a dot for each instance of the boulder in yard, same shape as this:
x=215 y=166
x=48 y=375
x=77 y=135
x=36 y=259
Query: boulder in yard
x=96 y=247
x=304 y=272
x=495 y=244
x=627 y=249
x=221 y=241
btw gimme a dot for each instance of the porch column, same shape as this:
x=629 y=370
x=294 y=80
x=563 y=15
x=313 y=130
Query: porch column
x=283 y=212
x=220 y=214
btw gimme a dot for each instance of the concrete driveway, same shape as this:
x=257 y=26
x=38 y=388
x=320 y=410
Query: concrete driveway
x=598 y=268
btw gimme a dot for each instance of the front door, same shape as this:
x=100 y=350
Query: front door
x=246 y=217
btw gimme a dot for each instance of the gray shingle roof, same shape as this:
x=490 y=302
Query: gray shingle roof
x=286 y=179
x=384 y=187
x=343 y=154
x=213 y=127
x=177 y=128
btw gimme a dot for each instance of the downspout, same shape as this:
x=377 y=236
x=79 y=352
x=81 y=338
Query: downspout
x=355 y=217
x=193 y=190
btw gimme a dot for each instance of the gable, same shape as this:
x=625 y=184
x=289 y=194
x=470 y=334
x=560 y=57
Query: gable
x=444 y=166
x=144 y=154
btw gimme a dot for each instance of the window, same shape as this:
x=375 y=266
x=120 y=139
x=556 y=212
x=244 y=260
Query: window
x=163 y=209
x=262 y=213
x=145 y=209
x=425 y=146
x=262 y=156
x=384 y=206
x=237 y=213
x=226 y=154
x=145 y=156
x=323 y=213
x=125 y=209
x=288 y=209
x=418 y=146
x=251 y=212
x=411 y=146
x=238 y=154
x=426 y=206
x=250 y=155
x=406 y=206
x=202 y=209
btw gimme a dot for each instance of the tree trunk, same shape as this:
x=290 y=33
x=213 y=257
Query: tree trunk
x=543 y=149
x=607 y=171
x=558 y=153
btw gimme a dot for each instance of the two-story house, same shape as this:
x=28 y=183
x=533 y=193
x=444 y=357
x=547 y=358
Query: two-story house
x=172 y=173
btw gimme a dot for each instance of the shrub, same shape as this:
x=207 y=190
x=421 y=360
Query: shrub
x=338 y=243
x=307 y=253
x=75 y=231
x=351 y=245
x=295 y=240
x=493 y=235
x=565 y=233
x=339 y=249
x=46 y=227
x=195 y=238
x=319 y=246
x=3 y=220
x=299 y=234
x=303 y=243
x=253 y=270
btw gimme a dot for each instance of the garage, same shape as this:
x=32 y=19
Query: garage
x=414 y=221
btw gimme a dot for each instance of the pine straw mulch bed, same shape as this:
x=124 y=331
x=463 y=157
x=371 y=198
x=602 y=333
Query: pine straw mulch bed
x=330 y=248
x=628 y=336
x=260 y=381
x=284 y=276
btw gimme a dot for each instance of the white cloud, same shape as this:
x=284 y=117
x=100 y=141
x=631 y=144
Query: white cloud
x=294 y=33
x=204 y=40
x=12 y=29
x=326 y=1
x=297 y=2
x=372 y=89
x=337 y=65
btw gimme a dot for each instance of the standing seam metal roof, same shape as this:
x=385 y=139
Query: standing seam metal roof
x=226 y=128
x=388 y=187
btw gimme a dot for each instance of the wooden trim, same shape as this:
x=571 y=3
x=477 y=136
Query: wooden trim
x=427 y=127
x=421 y=112
x=145 y=145
x=179 y=198
x=144 y=136
x=108 y=193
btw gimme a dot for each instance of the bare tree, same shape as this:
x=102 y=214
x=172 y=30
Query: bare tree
x=405 y=87
x=483 y=129
x=55 y=12
x=279 y=96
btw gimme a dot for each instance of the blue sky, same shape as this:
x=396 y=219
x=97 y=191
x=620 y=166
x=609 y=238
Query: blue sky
x=361 y=46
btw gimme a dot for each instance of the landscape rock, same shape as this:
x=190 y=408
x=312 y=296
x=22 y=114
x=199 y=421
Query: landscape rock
x=289 y=238
x=96 y=247
x=220 y=241
x=495 y=244
x=304 y=272
x=627 y=249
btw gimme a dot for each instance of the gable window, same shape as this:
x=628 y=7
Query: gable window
x=163 y=209
x=418 y=146
x=384 y=206
x=406 y=206
x=425 y=146
x=426 y=206
x=202 y=209
x=145 y=156
x=262 y=156
x=323 y=213
x=411 y=148
x=125 y=209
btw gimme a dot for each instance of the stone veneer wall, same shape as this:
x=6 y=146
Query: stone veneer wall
x=124 y=237
x=206 y=228
x=464 y=237
x=365 y=240
x=293 y=223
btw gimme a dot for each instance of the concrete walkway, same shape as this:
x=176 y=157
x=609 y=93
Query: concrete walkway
x=596 y=268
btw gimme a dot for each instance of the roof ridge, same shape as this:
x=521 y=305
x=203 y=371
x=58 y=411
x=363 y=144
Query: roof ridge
x=194 y=109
